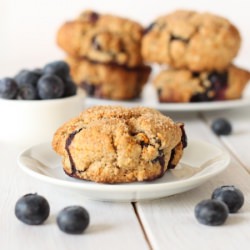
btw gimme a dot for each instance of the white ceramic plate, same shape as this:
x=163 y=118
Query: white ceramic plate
x=149 y=99
x=200 y=162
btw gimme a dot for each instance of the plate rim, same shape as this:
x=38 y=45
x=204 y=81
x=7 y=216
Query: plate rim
x=123 y=187
x=178 y=107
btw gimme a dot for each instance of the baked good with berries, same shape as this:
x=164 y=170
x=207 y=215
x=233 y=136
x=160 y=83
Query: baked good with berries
x=109 y=81
x=102 y=38
x=182 y=85
x=112 y=144
x=191 y=40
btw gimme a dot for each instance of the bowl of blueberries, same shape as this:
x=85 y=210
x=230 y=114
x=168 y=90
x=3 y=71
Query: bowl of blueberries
x=34 y=103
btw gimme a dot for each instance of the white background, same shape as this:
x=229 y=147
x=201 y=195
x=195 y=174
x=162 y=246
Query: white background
x=28 y=27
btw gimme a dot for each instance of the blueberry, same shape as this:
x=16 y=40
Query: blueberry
x=58 y=68
x=73 y=219
x=50 y=87
x=211 y=212
x=221 y=126
x=27 y=92
x=231 y=196
x=38 y=71
x=149 y=28
x=25 y=77
x=218 y=78
x=200 y=97
x=70 y=88
x=32 y=209
x=8 y=88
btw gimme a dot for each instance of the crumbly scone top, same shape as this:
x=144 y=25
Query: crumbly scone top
x=193 y=40
x=134 y=120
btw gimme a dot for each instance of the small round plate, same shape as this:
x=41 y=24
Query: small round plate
x=150 y=99
x=201 y=161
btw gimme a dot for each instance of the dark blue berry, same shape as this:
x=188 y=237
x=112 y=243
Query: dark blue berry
x=89 y=88
x=50 y=87
x=73 y=219
x=70 y=88
x=211 y=212
x=219 y=79
x=200 y=97
x=38 y=71
x=58 y=68
x=8 y=88
x=231 y=196
x=25 y=77
x=221 y=126
x=27 y=92
x=93 y=17
x=149 y=28
x=32 y=209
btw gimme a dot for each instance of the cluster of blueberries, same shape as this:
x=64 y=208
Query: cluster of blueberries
x=51 y=82
x=224 y=200
x=34 y=209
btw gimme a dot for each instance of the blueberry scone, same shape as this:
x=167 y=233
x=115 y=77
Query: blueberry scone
x=191 y=40
x=102 y=38
x=112 y=144
x=109 y=81
x=182 y=85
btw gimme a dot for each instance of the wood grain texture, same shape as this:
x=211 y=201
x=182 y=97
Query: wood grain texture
x=112 y=225
x=170 y=222
x=239 y=141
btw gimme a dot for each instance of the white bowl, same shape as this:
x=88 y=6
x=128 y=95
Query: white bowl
x=27 y=122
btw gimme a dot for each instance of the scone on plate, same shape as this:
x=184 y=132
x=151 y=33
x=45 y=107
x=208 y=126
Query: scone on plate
x=109 y=81
x=113 y=144
x=182 y=85
x=191 y=40
x=104 y=54
x=103 y=38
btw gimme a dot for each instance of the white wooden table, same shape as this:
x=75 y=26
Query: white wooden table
x=167 y=223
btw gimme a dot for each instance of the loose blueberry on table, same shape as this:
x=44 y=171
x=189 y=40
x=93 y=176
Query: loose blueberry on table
x=50 y=82
x=221 y=126
x=73 y=219
x=231 y=196
x=211 y=212
x=32 y=209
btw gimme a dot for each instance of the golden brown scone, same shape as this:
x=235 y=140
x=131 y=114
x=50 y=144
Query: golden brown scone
x=112 y=144
x=191 y=40
x=186 y=86
x=109 y=81
x=102 y=38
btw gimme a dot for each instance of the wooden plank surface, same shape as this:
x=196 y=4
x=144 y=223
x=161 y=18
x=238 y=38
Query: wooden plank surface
x=239 y=141
x=170 y=223
x=112 y=225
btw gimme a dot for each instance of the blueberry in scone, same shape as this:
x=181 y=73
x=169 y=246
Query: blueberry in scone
x=191 y=40
x=182 y=85
x=112 y=144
